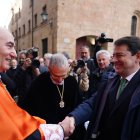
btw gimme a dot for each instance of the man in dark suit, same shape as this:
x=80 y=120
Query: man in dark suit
x=101 y=74
x=113 y=116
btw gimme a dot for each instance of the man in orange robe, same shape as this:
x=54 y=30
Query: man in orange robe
x=15 y=123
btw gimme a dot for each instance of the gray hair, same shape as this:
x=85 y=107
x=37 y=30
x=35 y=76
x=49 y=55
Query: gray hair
x=85 y=46
x=23 y=51
x=47 y=56
x=58 y=60
x=105 y=52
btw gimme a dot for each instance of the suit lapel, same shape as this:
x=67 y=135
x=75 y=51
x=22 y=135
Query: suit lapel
x=112 y=93
x=128 y=91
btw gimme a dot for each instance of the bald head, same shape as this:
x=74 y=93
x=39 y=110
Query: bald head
x=5 y=35
x=4 y=31
x=7 y=50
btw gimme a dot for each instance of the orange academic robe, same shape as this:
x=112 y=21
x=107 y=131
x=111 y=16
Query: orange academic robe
x=15 y=123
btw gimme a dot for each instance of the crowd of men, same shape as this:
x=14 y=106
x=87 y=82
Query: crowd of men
x=68 y=93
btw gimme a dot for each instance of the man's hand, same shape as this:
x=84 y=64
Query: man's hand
x=85 y=69
x=52 y=131
x=68 y=125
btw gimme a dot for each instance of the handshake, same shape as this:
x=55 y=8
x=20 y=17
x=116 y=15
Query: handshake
x=52 y=131
x=58 y=132
x=68 y=125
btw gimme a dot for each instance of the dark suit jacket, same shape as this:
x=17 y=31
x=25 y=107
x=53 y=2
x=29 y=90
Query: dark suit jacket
x=119 y=118
x=97 y=78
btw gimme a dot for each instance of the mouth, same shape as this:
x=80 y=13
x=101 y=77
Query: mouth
x=118 y=66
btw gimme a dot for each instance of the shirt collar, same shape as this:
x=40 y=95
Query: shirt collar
x=131 y=76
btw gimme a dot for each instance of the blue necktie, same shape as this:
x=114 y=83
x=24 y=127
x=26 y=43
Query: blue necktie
x=122 y=85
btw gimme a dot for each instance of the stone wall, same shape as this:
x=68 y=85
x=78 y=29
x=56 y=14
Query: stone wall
x=72 y=19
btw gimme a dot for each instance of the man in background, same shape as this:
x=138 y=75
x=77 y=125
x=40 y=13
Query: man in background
x=85 y=56
x=53 y=94
x=101 y=74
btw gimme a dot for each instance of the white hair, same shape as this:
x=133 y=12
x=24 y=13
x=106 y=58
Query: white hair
x=58 y=60
x=47 y=55
x=105 y=52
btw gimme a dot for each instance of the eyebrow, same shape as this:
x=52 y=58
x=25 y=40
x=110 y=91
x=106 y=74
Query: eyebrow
x=11 y=43
x=58 y=75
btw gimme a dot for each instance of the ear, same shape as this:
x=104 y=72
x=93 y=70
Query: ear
x=138 y=55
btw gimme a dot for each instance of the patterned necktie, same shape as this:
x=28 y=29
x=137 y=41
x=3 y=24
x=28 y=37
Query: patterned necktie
x=122 y=85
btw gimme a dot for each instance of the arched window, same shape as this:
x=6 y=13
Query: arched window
x=133 y=25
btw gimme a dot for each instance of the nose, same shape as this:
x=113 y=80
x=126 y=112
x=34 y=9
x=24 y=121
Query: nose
x=60 y=79
x=114 y=59
x=84 y=54
x=101 y=61
x=13 y=53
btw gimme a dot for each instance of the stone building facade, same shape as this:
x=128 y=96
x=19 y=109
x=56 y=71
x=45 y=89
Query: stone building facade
x=73 y=23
